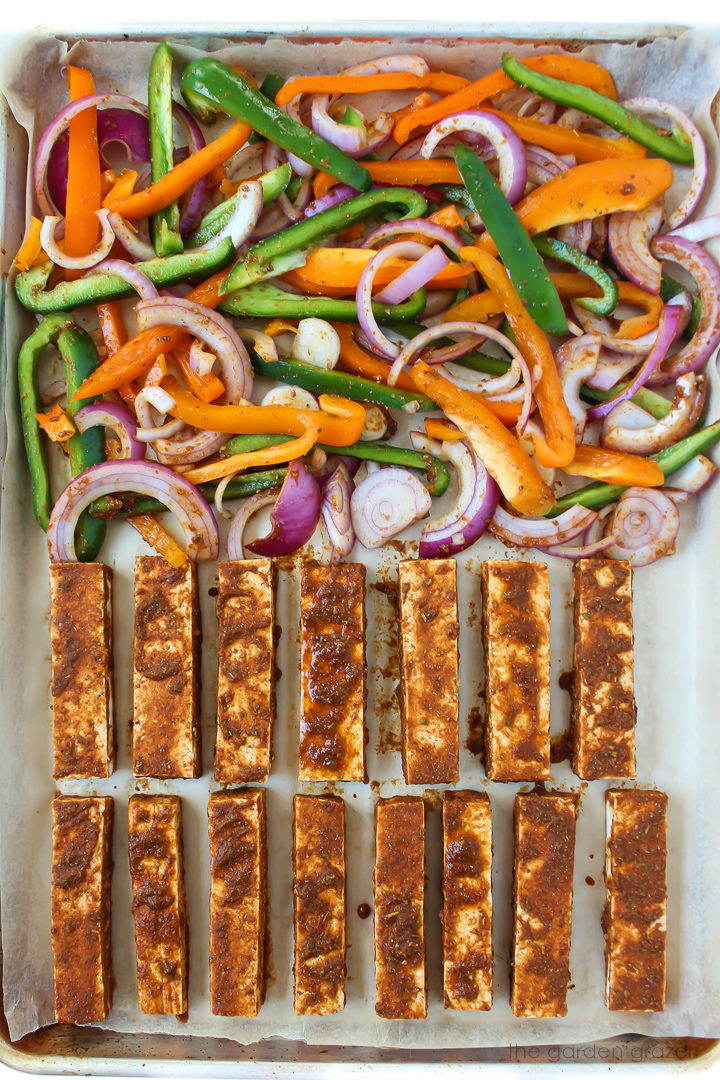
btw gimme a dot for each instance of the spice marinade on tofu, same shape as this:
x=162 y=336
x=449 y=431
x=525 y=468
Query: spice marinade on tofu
x=429 y=670
x=80 y=908
x=467 y=901
x=246 y=671
x=82 y=670
x=155 y=849
x=166 y=682
x=319 y=904
x=635 y=915
x=238 y=901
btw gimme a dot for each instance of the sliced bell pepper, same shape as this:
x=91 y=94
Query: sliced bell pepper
x=159 y=538
x=336 y=272
x=263 y=300
x=448 y=217
x=583 y=145
x=83 y=185
x=441 y=81
x=558 y=249
x=31 y=252
x=615 y=467
x=397 y=173
x=438 y=429
x=122 y=188
x=252 y=459
x=208 y=387
x=557 y=447
x=56 y=424
x=165 y=222
x=637 y=325
x=114 y=335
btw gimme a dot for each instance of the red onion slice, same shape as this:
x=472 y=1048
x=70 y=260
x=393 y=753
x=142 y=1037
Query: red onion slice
x=540 y=532
x=239 y=522
x=295 y=515
x=144 y=478
x=414 y=277
x=408 y=63
x=363 y=295
x=506 y=144
x=577 y=361
x=190 y=445
x=248 y=205
x=581 y=551
x=386 y=502
x=450 y=329
x=415 y=227
x=629 y=236
x=694 y=476
x=700 y=230
x=77 y=262
x=141 y=250
x=118 y=419
x=335 y=513
x=577 y=235
x=474 y=507
x=611 y=368
x=645 y=524
x=338 y=194
x=140 y=282
x=635 y=431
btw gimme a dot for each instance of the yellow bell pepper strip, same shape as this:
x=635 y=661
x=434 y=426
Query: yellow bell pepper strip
x=336 y=272
x=615 y=467
x=31 y=252
x=181 y=178
x=56 y=424
x=571 y=68
x=280 y=326
x=441 y=81
x=557 y=448
x=83 y=186
x=516 y=474
x=159 y=538
x=398 y=174
x=564 y=140
x=252 y=459
x=589 y=191
x=638 y=325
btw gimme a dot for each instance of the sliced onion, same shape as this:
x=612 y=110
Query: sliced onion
x=581 y=551
x=201 y=361
x=544 y=165
x=645 y=525
x=507 y=145
x=144 y=478
x=352 y=140
x=577 y=361
x=611 y=368
x=262 y=343
x=598 y=243
x=363 y=295
x=451 y=329
x=385 y=503
x=77 y=262
x=335 y=513
x=694 y=476
x=217 y=333
x=700 y=230
x=476 y=502
x=680 y=121
x=338 y=194
x=118 y=419
x=294 y=396
x=190 y=445
x=626 y=429
x=577 y=235
x=316 y=343
x=415 y=276
x=540 y=532
x=140 y=249
x=140 y=282
x=415 y=227
x=629 y=236
x=409 y=63
x=636 y=347
x=239 y=522
x=191 y=208
x=302 y=168
x=248 y=204
x=155 y=398
x=295 y=515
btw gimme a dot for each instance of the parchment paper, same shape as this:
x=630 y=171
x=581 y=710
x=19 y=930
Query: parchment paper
x=678 y=737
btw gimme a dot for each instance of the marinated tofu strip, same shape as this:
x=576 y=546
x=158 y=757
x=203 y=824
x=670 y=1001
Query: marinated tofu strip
x=635 y=918
x=238 y=902
x=156 y=869
x=246 y=671
x=400 y=984
x=603 y=712
x=332 y=723
x=429 y=670
x=80 y=908
x=82 y=683
x=467 y=901
x=543 y=894
x=319 y=903
x=516 y=634
x=166 y=739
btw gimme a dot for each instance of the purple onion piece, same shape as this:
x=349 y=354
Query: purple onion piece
x=295 y=515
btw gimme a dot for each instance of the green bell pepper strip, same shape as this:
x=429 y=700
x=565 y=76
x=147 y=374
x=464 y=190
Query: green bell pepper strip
x=269 y=88
x=321 y=381
x=273 y=184
x=558 y=249
x=165 y=224
x=522 y=261
x=266 y=301
x=675 y=147
x=127 y=505
x=224 y=88
x=100 y=288
x=437 y=475
x=261 y=261
x=599 y=494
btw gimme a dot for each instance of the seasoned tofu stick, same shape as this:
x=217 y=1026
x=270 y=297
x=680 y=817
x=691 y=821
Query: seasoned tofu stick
x=166 y=738
x=429 y=670
x=246 y=671
x=400 y=984
x=82 y=675
x=156 y=869
x=319 y=903
x=80 y=908
x=516 y=633
x=332 y=722
x=467 y=901
x=635 y=919
x=603 y=709
x=238 y=901
x=543 y=895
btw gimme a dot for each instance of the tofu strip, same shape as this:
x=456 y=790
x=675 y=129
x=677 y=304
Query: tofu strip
x=635 y=917
x=82 y=670
x=429 y=670
x=467 y=901
x=80 y=908
x=156 y=869
x=400 y=982
x=543 y=895
x=246 y=671
x=332 y=723
x=516 y=634
x=238 y=901
x=166 y=740
x=603 y=710
x=319 y=903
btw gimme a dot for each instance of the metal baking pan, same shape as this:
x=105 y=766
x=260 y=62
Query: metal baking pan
x=67 y=1050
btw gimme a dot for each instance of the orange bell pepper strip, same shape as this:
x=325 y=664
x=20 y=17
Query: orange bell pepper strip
x=181 y=178
x=615 y=467
x=557 y=448
x=570 y=68
x=637 y=325
x=157 y=372
x=56 y=424
x=159 y=538
x=123 y=187
x=448 y=217
x=516 y=474
x=438 y=429
x=83 y=186
x=253 y=459
x=420 y=102
x=114 y=335
x=336 y=272
x=402 y=173
x=589 y=191
x=441 y=81
x=31 y=252
x=206 y=387
x=479 y=307
x=563 y=140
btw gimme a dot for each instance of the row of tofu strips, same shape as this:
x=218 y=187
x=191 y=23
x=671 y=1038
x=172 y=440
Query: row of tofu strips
x=516 y=632
x=633 y=922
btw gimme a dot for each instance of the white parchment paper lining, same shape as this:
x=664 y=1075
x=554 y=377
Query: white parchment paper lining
x=676 y=605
